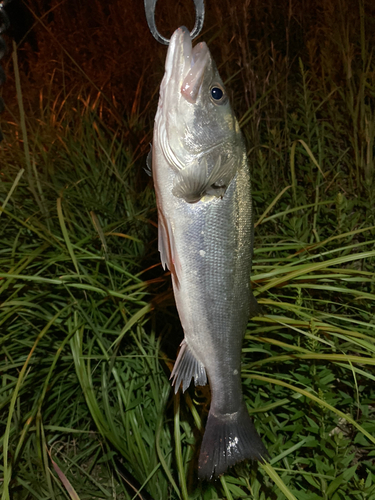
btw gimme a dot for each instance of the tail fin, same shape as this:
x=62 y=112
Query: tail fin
x=228 y=439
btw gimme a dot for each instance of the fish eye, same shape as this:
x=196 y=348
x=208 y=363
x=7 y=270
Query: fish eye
x=218 y=95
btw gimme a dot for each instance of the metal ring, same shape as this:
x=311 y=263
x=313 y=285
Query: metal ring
x=150 y=16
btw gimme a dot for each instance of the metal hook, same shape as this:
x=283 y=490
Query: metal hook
x=150 y=16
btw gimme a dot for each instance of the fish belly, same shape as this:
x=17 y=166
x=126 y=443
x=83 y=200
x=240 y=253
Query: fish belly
x=214 y=246
x=210 y=248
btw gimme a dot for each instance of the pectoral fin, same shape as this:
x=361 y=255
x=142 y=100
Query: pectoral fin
x=186 y=368
x=193 y=182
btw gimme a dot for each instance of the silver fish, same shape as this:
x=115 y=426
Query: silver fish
x=202 y=185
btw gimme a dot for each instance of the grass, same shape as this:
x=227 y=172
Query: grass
x=89 y=331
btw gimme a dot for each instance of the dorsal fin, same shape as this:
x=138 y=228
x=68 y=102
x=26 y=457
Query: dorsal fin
x=167 y=248
x=148 y=167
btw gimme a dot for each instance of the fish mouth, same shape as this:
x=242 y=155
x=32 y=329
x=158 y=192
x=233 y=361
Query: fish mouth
x=185 y=66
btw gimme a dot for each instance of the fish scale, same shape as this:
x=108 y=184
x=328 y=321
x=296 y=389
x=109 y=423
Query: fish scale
x=202 y=185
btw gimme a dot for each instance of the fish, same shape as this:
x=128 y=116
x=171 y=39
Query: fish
x=205 y=238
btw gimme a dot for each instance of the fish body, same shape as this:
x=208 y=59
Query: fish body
x=202 y=185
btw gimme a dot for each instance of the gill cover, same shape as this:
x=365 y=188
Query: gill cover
x=200 y=135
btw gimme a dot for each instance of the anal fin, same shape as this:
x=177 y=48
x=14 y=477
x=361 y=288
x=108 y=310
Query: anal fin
x=186 y=368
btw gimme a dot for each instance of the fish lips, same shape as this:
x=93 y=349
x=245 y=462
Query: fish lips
x=185 y=66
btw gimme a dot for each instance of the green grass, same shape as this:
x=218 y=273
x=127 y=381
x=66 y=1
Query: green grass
x=89 y=330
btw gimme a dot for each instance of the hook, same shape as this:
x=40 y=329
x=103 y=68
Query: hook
x=150 y=16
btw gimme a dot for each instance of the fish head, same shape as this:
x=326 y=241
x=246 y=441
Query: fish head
x=197 y=127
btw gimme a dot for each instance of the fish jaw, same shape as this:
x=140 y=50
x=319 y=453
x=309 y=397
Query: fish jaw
x=185 y=66
x=179 y=90
x=190 y=124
